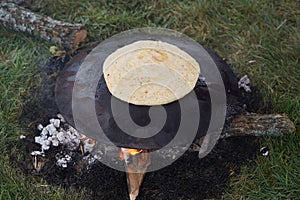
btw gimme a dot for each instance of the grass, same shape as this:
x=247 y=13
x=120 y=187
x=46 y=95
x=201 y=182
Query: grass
x=265 y=32
x=20 y=56
x=272 y=177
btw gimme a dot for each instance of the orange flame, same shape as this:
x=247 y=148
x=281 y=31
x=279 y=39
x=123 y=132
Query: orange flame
x=128 y=152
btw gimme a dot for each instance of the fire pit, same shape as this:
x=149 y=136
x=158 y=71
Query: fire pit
x=149 y=131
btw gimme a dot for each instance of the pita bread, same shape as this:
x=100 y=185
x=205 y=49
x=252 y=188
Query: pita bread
x=150 y=73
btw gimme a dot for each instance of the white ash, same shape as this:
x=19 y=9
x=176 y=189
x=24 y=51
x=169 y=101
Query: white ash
x=51 y=120
x=62 y=119
x=172 y=152
x=44 y=132
x=244 y=83
x=51 y=128
x=63 y=160
x=107 y=154
x=57 y=133
x=37 y=153
x=45 y=147
x=90 y=160
x=56 y=123
x=55 y=142
x=40 y=127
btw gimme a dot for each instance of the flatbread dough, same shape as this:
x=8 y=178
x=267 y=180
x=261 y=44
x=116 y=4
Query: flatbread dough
x=150 y=72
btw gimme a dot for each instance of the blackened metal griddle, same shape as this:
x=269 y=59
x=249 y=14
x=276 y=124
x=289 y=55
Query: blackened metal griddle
x=102 y=99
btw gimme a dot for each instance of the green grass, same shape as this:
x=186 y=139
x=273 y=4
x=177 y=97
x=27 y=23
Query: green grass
x=267 y=32
x=272 y=177
x=20 y=56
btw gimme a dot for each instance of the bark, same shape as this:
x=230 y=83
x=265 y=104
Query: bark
x=135 y=171
x=251 y=124
x=19 y=2
x=60 y=33
x=259 y=124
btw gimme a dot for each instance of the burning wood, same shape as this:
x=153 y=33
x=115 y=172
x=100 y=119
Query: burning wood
x=136 y=163
x=125 y=153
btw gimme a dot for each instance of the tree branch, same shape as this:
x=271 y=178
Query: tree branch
x=23 y=20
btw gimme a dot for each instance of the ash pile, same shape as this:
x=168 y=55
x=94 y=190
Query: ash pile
x=59 y=133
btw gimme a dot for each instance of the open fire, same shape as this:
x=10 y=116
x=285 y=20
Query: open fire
x=126 y=152
x=136 y=164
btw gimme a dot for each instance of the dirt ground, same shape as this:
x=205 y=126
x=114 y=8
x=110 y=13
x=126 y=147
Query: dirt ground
x=187 y=178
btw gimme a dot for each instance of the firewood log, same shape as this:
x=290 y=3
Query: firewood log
x=19 y=2
x=252 y=124
x=259 y=124
x=60 y=33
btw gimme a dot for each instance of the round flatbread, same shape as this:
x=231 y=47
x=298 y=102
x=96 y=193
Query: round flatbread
x=150 y=73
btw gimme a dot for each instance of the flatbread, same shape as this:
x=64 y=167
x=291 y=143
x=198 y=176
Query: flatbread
x=150 y=72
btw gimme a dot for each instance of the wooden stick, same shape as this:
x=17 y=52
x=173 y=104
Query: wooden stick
x=23 y=20
x=135 y=171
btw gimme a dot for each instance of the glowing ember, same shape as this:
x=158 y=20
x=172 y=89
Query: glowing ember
x=135 y=168
x=125 y=153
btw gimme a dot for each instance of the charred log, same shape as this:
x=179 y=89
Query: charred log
x=23 y=20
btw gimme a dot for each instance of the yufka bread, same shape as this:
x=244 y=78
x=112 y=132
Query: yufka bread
x=150 y=73
x=100 y=100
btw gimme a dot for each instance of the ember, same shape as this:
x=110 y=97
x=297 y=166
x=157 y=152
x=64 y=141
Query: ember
x=125 y=153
